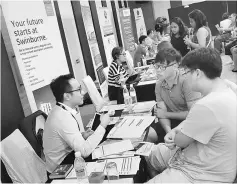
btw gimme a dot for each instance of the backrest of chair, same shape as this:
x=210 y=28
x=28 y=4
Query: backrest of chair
x=32 y=128
x=95 y=96
x=22 y=163
x=106 y=72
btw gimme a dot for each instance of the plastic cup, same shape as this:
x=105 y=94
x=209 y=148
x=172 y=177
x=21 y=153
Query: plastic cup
x=112 y=172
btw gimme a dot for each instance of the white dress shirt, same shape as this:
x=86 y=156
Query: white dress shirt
x=62 y=135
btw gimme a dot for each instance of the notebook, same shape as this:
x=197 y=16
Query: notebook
x=61 y=171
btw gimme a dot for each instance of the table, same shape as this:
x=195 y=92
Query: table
x=141 y=175
x=145 y=88
x=121 y=180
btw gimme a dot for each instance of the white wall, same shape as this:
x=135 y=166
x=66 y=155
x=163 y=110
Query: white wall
x=160 y=8
x=72 y=38
x=187 y=2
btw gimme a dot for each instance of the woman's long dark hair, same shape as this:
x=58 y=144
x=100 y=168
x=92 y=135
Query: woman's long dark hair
x=182 y=27
x=199 y=17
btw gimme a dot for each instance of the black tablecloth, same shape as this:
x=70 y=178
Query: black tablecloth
x=144 y=93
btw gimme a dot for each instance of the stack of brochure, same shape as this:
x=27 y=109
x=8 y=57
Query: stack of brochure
x=112 y=148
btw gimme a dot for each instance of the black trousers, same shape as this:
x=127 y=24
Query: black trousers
x=229 y=46
x=114 y=94
x=161 y=132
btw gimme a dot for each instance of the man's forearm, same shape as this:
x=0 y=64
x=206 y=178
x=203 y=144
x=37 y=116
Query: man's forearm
x=166 y=124
x=177 y=115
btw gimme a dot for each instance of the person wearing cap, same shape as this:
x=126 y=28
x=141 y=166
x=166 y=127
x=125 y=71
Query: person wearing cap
x=62 y=135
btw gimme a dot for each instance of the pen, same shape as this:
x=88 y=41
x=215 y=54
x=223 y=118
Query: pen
x=131 y=122
x=140 y=122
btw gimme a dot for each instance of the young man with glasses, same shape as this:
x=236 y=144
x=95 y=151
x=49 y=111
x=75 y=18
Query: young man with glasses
x=62 y=136
x=203 y=148
x=173 y=95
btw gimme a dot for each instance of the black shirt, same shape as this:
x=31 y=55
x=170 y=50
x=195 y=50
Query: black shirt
x=179 y=45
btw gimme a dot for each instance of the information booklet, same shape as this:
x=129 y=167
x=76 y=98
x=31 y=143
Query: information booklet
x=61 y=171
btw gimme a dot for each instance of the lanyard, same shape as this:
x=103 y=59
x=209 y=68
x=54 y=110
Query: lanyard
x=60 y=105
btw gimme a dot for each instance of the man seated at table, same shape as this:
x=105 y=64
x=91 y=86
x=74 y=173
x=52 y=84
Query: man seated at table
x=203 y=148
x=141 y=50
x=173 y=95
x=62 y=134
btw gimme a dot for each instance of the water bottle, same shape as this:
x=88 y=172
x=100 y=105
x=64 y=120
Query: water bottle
x=127 y=98
x=133 y=94
x=80 y=168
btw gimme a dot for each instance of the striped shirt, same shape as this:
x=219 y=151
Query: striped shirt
x=114 y=74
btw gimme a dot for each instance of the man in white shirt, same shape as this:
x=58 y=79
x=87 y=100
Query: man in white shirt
x=203 y=148
x=62 y=134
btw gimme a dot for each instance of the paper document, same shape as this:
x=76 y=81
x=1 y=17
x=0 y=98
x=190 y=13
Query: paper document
x=113 y=148
x=131 y=127
x=144 y=106
x=120 y=155
x=98 y=166
x=141 y=83
x=126 y=166
x=145 y=149
x=112 y=107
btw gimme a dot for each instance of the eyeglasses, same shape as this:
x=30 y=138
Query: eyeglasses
x=163 y=67
x=124 y=54
x=185 y=72
x=79 y=89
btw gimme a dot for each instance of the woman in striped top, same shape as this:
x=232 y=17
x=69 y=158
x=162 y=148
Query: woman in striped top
x=116 y=71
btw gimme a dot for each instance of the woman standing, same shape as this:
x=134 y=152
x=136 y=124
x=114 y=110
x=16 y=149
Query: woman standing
x=202 y=34
x=116 y=73
x=178 y=32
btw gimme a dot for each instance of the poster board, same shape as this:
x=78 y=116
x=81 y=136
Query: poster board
x=93 y=45
x=126 y=27
x=107 y=30
x=140 y=23
x=36 y=41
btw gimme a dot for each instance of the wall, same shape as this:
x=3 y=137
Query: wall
x=160 y=9
x=11 y=108
x=213 y=17
x=147 y=9
x=72 y=38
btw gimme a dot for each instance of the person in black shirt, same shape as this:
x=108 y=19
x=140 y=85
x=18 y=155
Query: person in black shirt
x=178 y=32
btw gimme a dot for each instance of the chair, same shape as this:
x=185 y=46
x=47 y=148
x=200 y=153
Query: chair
x=32 y=128
x=106 y=73
x=22 y=163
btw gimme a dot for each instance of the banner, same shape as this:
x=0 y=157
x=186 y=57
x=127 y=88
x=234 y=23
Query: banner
x=139 y=20
x=105 y=20
x=36 y=41
x=93 y=44
x=37 y=44
x=127 y=32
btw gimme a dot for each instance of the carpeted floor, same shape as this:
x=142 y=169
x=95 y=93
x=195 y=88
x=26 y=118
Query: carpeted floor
x=88 y=111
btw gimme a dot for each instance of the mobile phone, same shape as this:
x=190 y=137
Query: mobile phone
x=95 y=121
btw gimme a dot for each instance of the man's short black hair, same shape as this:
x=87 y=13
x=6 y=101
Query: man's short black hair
x=142 y=38
x=225 y=16
x=207 y=60
x=116 y=52
x=169 y=55
x=61 y=85
x=149 y=31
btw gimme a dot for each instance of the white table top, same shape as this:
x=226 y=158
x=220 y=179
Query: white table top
x=121 y=180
